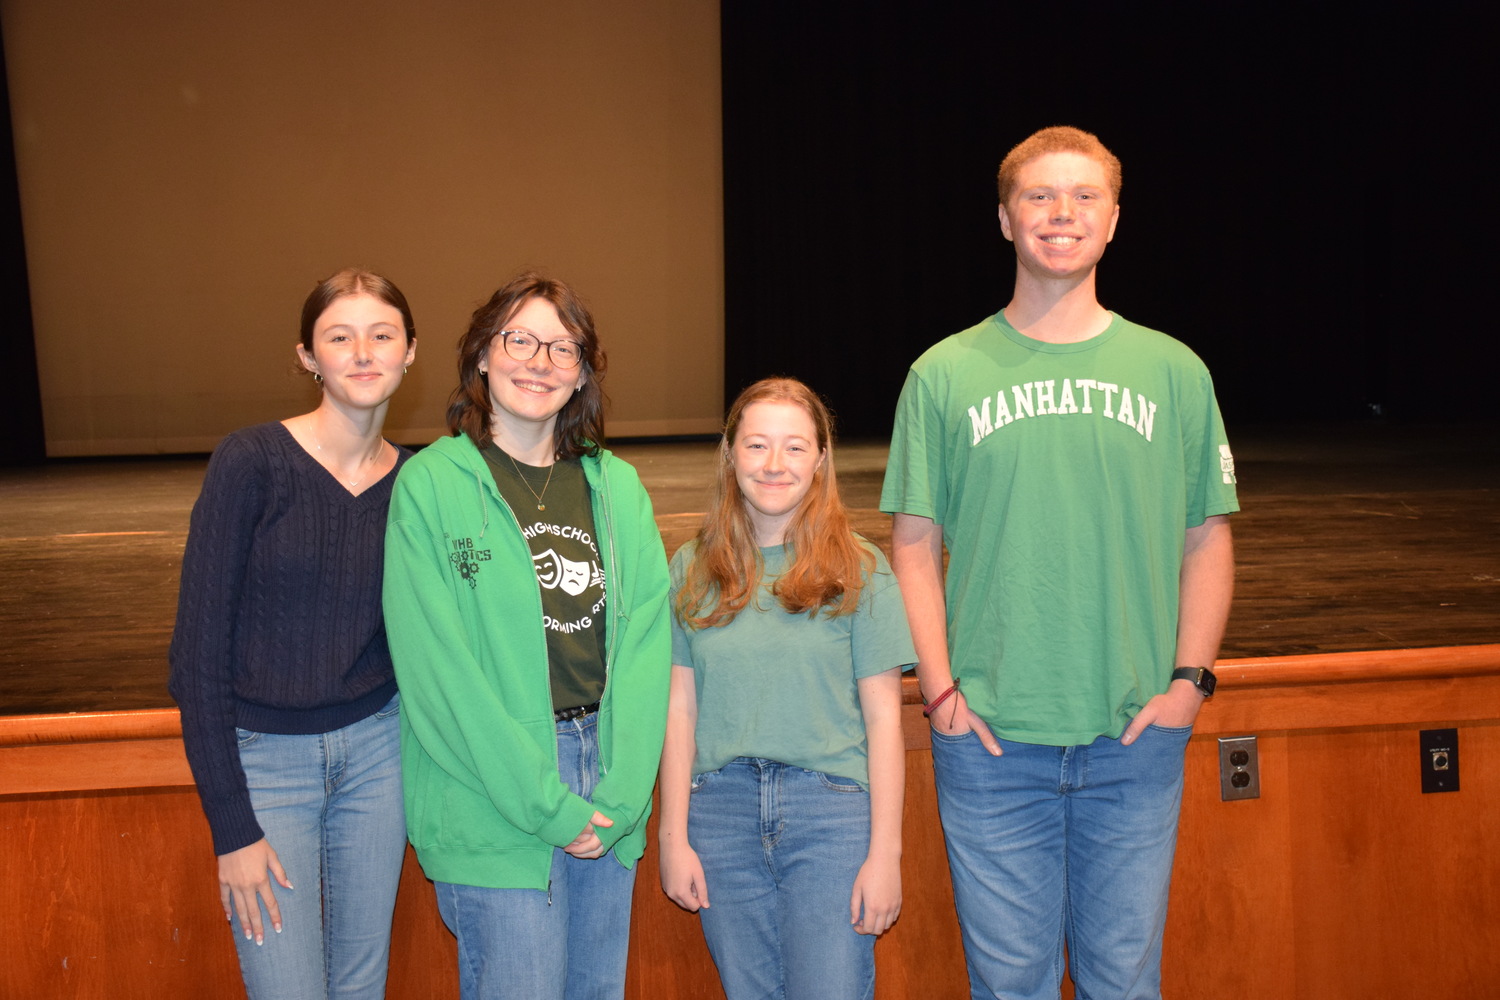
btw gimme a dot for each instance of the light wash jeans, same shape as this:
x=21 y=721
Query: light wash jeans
x=330 y=806
x=780 y=848
x=1052 y=845
x=568 y=942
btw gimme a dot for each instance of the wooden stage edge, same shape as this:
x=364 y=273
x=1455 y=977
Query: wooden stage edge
x=112 y=864
x=1250 y=677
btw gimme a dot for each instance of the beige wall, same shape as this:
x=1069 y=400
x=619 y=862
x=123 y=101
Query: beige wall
x=189 y=169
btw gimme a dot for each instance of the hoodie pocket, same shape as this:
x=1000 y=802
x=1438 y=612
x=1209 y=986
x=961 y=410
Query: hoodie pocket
x=467 y=818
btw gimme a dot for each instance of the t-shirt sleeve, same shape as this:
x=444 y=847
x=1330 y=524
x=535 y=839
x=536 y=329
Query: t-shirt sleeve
x=914 y=473
x=682 y=651
x=1210 y=480
x=881 y=637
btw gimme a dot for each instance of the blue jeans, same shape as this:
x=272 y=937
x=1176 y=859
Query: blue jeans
x=567 y=942
x=1051 y=845
x=330 y=806
x=780 y=848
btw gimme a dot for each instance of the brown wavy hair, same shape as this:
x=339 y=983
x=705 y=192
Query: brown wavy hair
x=580 y=423
x=1057 y=139
x=828 y=563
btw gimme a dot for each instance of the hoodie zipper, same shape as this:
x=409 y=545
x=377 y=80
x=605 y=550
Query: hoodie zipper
x=540 y=611
x=611 y=583
x=613 y=575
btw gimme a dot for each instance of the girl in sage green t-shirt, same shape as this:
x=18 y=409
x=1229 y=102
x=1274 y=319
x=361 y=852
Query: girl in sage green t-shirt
x=781 y=778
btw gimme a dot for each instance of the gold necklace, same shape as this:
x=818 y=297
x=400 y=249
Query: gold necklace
x=527 y=483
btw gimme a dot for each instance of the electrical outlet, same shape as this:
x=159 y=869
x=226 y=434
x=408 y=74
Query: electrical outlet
x=1239 y=768
x=1439 y=760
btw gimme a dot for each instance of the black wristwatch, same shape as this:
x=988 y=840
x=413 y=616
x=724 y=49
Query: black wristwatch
x=1203 y=679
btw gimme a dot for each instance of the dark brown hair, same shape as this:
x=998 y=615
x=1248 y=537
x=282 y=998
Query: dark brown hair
x=828 y=565
x=352 y=281
x=580 y=424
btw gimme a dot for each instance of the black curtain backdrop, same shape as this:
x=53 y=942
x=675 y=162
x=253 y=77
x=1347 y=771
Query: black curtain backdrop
x=1307 y=195
x=21 y=439
x=1303 y=205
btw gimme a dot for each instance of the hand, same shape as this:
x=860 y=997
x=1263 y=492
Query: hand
x=587 y=843
x=954 y=718
x=682 y=876
x=1175 y=709
x=242 y=878
x=876 y=901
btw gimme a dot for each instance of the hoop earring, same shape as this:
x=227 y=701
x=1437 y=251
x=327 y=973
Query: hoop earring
x=317 y=378
x=405 y=369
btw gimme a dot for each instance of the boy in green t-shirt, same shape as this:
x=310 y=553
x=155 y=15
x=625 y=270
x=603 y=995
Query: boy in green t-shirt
x=1076 y=467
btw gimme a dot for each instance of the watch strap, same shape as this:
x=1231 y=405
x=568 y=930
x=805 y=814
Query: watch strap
x=1203 y=678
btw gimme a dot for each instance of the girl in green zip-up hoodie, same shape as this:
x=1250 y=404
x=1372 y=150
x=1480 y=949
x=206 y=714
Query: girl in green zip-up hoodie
x=526 y=605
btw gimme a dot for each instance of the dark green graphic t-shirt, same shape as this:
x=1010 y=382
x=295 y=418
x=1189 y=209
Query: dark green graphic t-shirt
x=569 y=572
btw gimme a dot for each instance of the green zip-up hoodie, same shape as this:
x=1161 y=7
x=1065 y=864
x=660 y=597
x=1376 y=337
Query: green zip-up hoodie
x=484 y=803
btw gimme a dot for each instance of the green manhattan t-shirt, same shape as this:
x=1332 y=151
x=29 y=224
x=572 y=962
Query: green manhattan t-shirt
x=1064 y=477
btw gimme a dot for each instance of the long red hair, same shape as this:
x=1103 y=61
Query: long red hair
x=828 y=565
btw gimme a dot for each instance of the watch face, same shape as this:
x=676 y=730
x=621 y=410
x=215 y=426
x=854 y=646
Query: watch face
x=1202 y=677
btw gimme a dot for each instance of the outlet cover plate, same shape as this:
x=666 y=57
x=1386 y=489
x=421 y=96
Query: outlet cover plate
x=1239 y=768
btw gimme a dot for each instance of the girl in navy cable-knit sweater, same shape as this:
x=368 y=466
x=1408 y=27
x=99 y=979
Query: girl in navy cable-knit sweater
x=280 y=663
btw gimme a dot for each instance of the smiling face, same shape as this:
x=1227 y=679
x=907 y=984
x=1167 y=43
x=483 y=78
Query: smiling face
x=775 y=456
x=359 y=346
x=526 y=396
x=1060 y=215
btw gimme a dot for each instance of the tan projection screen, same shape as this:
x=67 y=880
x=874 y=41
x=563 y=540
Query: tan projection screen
x=189 y=169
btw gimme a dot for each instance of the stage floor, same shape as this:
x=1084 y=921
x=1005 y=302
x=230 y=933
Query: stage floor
x=1352 y=537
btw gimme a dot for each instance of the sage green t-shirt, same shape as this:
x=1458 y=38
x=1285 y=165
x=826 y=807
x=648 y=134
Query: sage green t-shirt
x=1064 y=477
x=785 y=687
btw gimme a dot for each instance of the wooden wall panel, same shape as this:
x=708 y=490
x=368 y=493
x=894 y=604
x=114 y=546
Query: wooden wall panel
x=1227 y=922
x=157 y=929
x=922 y=955
x=110 y=894
x=1396 y=893
x=1341 y=880
x=424 y=956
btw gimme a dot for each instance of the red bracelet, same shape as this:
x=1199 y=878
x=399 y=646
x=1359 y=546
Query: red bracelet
x=932 y=705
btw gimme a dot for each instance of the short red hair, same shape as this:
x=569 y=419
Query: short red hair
x=1057 y=139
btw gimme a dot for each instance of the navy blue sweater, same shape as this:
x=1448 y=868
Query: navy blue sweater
x=279 y=627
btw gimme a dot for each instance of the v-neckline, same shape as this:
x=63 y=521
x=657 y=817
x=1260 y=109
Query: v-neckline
x=334 y=482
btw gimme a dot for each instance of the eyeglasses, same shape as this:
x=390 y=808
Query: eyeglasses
x=524 y=345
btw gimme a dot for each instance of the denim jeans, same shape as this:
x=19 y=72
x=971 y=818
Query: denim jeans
x=1051 y=845
x=780 y=848
x=330 y=806
x=567 y=942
